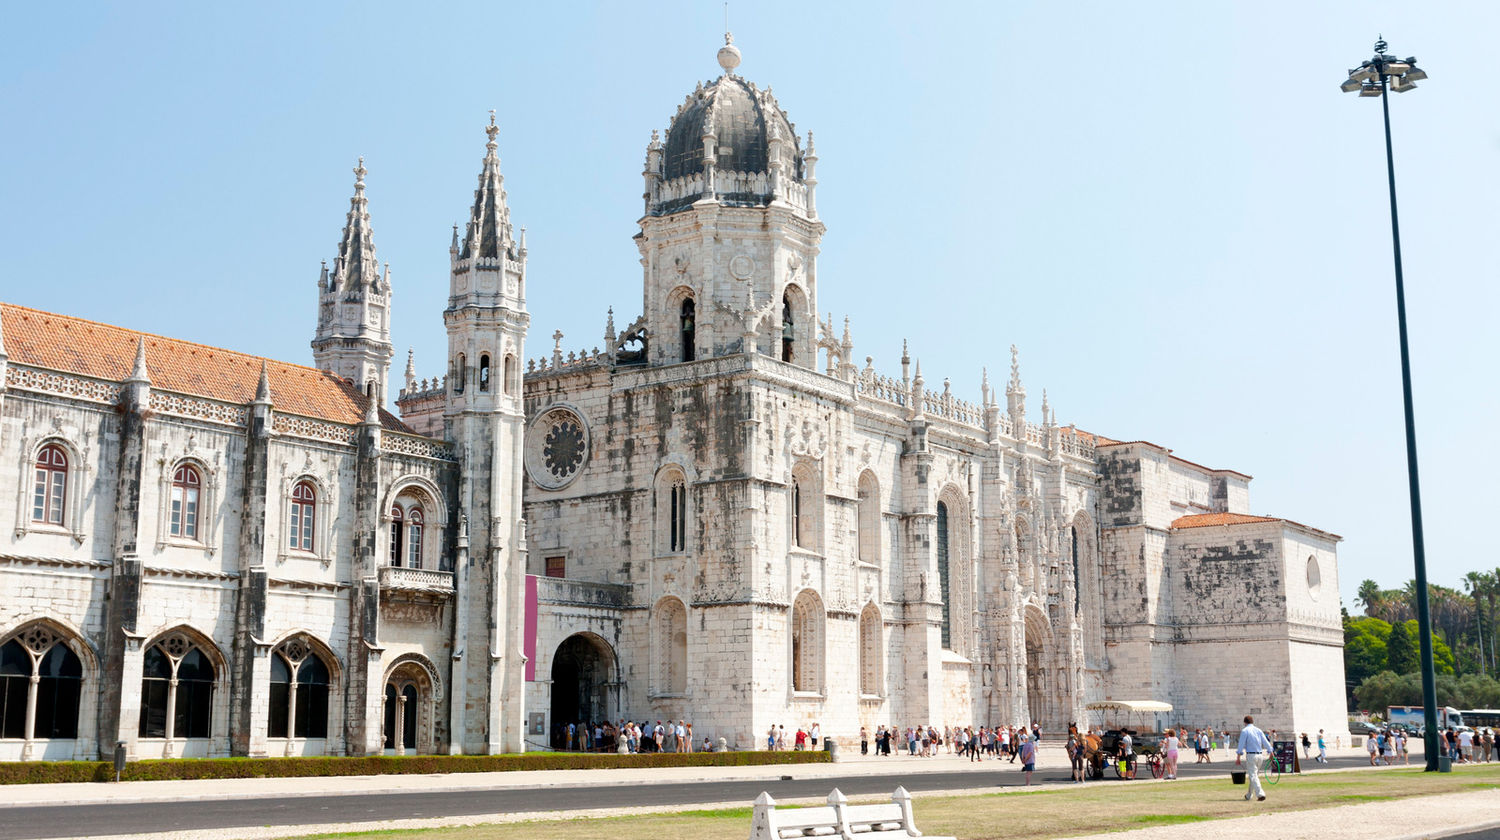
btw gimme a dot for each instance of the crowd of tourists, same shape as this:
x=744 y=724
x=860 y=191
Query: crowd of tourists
x=643 y=737
x=1462 y=746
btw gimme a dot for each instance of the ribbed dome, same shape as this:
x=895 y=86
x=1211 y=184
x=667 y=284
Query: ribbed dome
x=742 y=117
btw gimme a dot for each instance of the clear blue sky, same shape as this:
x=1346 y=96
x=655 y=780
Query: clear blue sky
x=1170 y=208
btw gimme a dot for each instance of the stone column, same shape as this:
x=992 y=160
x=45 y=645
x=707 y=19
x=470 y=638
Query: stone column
x=249 y=689
x=122 y=612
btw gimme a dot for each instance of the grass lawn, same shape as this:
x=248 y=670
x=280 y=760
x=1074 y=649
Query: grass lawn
x=1092 y=808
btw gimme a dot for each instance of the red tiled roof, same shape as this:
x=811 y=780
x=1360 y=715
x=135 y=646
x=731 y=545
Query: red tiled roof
x=1204 y=520
x=102 y=351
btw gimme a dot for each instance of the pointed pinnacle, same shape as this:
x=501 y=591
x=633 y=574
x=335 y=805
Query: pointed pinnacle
x=139 y=373
x=263 y=387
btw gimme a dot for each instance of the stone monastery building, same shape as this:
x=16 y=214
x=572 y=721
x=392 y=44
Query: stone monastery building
x=722 y=517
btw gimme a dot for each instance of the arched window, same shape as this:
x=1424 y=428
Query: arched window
x=398 y=521
x=414 y=538
x=304 y=517
x=677 y=521
x=942 y=573
x=510 y=373
x=1073 y=549
x=788 y=330
x=869 y=519
x=671 y=629
x=484 y=372
x=688 y=329
x=51 y=485
x=806 y=508
x=869 y=651
x=40 y=656
x=460 y=374
x=298 y=706
x=186 y=484
x=797 y=529
x=807 y=643
x=177 y=690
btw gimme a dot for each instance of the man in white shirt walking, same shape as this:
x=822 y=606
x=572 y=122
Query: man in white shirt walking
x=1253 y=745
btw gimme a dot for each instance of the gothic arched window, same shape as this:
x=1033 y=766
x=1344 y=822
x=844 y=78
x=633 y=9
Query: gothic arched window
x=51 y=485
x=484 y=372
x=807 y=643
x=869 y=519
x=298 y=706
x=942 y=573
x=44 y=658
x=869 y=651
x=788 y=329
x=303 y=517
x=688 y=329
x=186 y=485
x=677 y=524
x=460 y=374
x=177 y=691
x=510 y=373
x=671 y=629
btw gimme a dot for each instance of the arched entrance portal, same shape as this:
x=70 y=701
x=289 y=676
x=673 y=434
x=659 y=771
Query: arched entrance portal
x=409 y=710
x=583 y=682
x=1038 y=689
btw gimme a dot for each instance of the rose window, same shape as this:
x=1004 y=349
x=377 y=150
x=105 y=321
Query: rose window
x=562 y=449
x=557 y=445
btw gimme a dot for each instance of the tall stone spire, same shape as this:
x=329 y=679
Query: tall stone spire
x=489 y=233
x=354 y=297
x=1015 y=396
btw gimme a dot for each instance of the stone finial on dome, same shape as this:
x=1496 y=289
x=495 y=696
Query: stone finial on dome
x=492 y=130
x=729 y=55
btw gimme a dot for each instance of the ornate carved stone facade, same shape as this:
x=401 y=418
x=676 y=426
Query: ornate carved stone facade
x=719 y=517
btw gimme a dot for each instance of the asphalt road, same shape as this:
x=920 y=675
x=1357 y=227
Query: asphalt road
x=33 y=822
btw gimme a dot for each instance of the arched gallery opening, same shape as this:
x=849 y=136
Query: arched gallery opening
x=583 y=682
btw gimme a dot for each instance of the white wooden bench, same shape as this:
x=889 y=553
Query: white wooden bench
x=836 y=819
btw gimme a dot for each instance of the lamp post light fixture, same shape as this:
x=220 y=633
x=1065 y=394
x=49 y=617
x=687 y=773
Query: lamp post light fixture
x=1376 y=77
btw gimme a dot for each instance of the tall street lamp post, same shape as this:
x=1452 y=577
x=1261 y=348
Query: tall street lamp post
x=1379 y=76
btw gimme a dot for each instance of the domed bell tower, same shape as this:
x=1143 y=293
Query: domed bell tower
x=729 y=240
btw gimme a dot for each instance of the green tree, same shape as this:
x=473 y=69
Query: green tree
x=1388 y=689
x=1401 y=653
x=1364 y=648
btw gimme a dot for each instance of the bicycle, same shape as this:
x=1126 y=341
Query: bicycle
x=1158 y=766
x=1271 y=772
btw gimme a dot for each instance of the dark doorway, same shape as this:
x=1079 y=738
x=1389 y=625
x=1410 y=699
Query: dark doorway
x=409 y=731
x=582 y=675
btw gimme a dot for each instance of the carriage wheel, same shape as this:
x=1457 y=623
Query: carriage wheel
x=1115 y=763
x=1158 y=767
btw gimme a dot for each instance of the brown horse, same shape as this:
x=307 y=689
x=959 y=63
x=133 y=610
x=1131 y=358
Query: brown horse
x=1093 y=759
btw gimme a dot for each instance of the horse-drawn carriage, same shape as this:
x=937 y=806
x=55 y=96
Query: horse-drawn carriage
x=1126 y=742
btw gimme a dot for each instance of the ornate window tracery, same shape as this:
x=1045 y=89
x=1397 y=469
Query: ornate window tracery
x=177 y=690
x=299 y=692
x=41 y=682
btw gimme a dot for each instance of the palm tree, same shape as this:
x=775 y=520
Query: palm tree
x=1478 y=584
x=1369 y=596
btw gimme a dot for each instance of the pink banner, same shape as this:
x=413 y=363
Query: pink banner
x=530 y=645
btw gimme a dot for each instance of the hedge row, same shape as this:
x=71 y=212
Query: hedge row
x=40 y=772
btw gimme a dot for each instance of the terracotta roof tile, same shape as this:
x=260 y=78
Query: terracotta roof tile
x=1204 y=520
x=102 y=351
